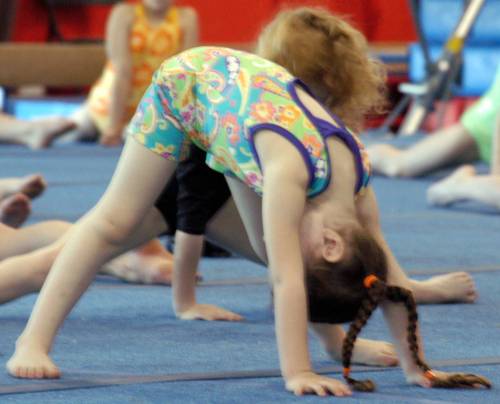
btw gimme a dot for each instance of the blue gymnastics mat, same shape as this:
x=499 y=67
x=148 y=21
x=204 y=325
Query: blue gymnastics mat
x=123 y=344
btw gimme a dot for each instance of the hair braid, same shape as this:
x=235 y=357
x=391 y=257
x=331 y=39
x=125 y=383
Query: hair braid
x=375 y=294
x=398 y=294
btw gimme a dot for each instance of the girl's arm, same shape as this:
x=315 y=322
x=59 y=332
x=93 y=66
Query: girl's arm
x=190 y=27
x=495 y=158
x=395 y=314
x=118 y=53
x=284 y=198
x=188 y=250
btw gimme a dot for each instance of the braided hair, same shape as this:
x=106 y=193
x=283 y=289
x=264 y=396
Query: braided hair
x=355 y=287
x=377 y=291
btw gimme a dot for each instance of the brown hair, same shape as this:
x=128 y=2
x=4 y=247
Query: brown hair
x=337 y=293
x=331 y=57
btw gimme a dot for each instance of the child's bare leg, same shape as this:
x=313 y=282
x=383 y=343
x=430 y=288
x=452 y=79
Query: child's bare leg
x=450 y=145
x=31 y=186
x=27 y=239
x=36 y=133
x=464 y=184
x=84 y=127
x=14 y=210
x=111 y=228
x=24 y=274
x=150 y=264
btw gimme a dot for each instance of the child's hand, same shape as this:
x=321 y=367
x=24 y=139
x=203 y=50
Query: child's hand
x=312 y=383
x=449 y=380
x=208 y=312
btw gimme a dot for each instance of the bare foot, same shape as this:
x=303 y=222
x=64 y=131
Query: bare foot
x=384 y=159
x=31 y=186
x=45 y=130
x=456 y=287
x=371 y=352
x=14 y=210
x=444 y=192
x=141 y=268
x=374 y=353
x=29 y=363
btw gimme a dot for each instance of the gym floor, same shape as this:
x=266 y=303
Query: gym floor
x=123 y=344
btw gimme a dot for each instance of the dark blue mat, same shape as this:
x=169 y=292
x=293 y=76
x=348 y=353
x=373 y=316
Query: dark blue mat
x=120 y=329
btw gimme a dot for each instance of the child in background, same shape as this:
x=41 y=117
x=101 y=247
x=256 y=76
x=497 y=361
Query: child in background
x=138 y=39
x=319 y=216
x=470 y=139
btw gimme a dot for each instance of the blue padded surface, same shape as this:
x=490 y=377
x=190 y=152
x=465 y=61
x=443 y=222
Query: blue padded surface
x=120 y=329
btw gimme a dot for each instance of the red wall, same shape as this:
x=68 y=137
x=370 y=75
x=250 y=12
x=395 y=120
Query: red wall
x=223 y=21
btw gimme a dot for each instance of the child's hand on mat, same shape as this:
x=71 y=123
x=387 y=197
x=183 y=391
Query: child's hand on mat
x=208 y=312
x=437 y=379
x=312 y=383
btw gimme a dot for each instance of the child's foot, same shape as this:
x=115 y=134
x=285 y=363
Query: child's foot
x=29 y=363
x=384 y=159
x=444 y=192
x=14 y=210
x=374 y=353
x=457 y=287
x=45 y=131
x=31 y=186
x=141 y=268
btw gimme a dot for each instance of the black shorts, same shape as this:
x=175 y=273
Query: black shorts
x=193 y=195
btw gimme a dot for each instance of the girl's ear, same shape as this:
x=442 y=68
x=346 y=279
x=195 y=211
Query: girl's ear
x=333 y=248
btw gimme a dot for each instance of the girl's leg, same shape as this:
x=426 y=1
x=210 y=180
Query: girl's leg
x=84 y=128
x=123 y=219
x=27 y=239
x=464 y=184
x=450 y=145
x=36 y=133
x=26 y=273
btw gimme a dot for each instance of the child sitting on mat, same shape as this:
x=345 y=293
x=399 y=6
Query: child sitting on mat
x=474 y=137
x=138 y=39
x=267 y=133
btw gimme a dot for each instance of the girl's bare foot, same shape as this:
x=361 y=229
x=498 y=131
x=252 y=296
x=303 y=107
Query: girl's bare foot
x=456 y=287
x=31 y=363
x=45 y=130
x=385 y=159
x=444 y=192
x=141 y=268
x=14 y=210
x=31 y=186
x=371 y=352
x=374 y=353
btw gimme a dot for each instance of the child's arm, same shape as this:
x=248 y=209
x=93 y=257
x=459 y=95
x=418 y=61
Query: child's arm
x=495 y=158
x=118 y=53
x=284 y=198
x=188 y=250
x=190 y=27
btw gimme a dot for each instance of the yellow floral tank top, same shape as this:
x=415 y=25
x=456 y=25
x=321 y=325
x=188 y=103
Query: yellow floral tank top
x=149 y=47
